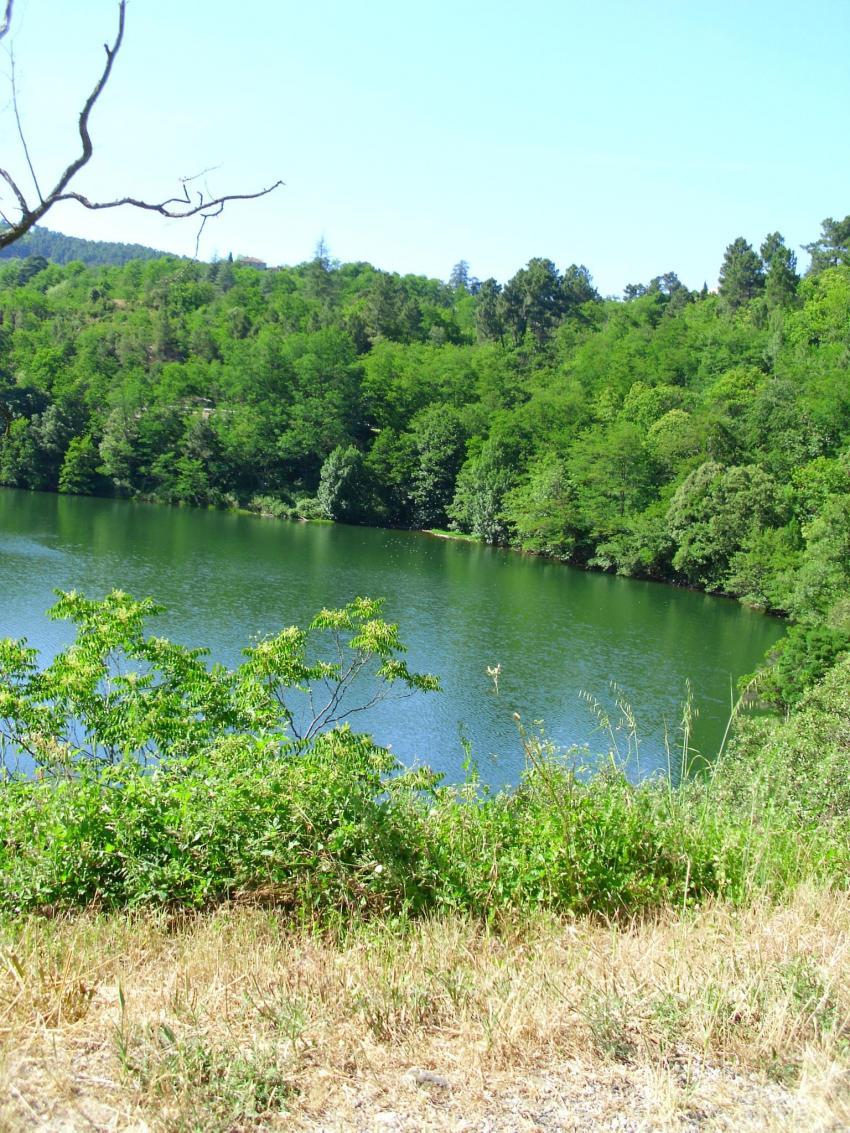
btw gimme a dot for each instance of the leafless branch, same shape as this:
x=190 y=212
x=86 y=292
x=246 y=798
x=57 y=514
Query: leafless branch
x=176 y=208
x=200 y=204
x=21 y=128
x=7 y=177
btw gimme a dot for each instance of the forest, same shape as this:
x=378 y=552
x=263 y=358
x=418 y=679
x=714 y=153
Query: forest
x=695 y=437
x=208 y=909
x=62 y=249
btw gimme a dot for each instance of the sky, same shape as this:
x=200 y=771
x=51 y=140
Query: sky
x=633 y=136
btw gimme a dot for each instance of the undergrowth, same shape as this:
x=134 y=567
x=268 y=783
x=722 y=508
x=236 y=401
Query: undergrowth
x=330 y=827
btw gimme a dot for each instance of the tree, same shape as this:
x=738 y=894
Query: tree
x=780 y=264
x=533 y=300
x=832 y=248
x=613 y=473
x=440 y=439
x=119 y=448
x=459 y=278
x=633 y=291
x=118 y=695
x=741 y=275
x=577 y=288
x=823 y=581
x=389 y=468
x=543 y=511
x=716 y=512
x=489 y=326
x=78 y=475
x=800 y=660
x=481 y=486
x=673 y=438
x=319 y=276
x=383 y=306
x=668 y=285
x=29 y=210
x=342 y=486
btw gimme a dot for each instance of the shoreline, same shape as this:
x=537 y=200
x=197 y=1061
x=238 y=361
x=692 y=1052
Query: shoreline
x=432 y=532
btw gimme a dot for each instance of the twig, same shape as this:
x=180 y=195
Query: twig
x=7 y=18
x=175 y=208
x=21 y=128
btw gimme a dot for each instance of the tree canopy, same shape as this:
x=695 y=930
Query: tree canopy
x=673 y=434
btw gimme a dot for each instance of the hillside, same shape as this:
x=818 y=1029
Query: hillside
x=209 y=920
x=61 y=249
x=702 y=439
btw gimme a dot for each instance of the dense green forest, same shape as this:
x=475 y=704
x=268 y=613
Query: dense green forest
x=697 y=438
x=62 y=249
x=694 y=437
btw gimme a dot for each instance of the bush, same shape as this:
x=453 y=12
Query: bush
x=796 y=664
x=244 y=799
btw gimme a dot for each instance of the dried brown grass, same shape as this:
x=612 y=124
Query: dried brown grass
x=713 y=1019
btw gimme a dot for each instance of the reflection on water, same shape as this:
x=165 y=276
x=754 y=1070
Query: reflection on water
x=555 y=632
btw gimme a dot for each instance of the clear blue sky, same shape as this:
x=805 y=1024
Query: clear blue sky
x=634 y=136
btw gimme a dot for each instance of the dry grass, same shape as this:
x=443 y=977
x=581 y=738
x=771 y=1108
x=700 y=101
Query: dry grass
x=717 y=1020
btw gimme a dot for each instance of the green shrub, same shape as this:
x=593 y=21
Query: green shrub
x=244 y=800
x=796 y=664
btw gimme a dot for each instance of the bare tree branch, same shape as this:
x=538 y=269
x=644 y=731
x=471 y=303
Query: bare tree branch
x=7 y=177
x=199 y=204
x=21 y=128
x=176 y=208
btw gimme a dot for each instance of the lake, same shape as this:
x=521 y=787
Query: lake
x=556 y=632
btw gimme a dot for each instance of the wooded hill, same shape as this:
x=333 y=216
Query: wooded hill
x=694 y=437
x=62 y=249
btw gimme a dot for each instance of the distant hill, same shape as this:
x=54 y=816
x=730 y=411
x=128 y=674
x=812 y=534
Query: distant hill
x=61 y=249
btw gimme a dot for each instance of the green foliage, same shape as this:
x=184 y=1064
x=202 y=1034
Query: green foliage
x=439 y=435
x=613 y=472
x=741 y=275
x=116 y=696
x=533 y=301
x=823 y=578
x=543 y=511
x=797 y=767
x=674 y=435
x=79 y=473
x=832 y=246
x=328 y=825
x=113 y=694
x=800 y=660
x=389 y=468
x=781 y=279
x=715 y=511
x=62 y=249
x=341 y=489
x=534 y=413
x=481 y=487
x=760 y=574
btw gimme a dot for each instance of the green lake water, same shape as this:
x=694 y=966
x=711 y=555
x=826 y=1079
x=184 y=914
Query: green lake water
x=556 y=632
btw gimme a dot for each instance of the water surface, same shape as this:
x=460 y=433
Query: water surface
x=556 y=632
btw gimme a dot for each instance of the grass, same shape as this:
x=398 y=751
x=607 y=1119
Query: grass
x=728 y=1017
x=331 y=833
x=259 y=933
x=332 y=827
x=445 y=533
